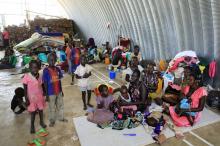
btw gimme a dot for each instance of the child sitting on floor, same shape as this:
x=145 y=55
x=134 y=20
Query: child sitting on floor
x=83 y=74
x=124 y=102
x=17 y=103
x=103 y=99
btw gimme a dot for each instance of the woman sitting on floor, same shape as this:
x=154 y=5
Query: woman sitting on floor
x=117 y=58
x=150 y=79
x=9 y=61
x=188 y=110
x=133 y=64
x=173 y=92
x=138 y=92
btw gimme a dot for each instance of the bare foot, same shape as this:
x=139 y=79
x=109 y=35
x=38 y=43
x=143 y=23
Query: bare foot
x=179 y=135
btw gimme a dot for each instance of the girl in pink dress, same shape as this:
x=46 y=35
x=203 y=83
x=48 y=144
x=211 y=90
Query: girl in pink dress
x=33 y=88
x=195 y=95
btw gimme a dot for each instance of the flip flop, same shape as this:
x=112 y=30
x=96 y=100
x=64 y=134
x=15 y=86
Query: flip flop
x=37 y=142
x=42 y=132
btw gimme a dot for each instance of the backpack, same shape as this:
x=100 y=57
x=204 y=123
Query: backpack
x=213 y=99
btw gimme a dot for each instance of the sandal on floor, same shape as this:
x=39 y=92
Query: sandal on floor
x=37 y=142
x=42 y=132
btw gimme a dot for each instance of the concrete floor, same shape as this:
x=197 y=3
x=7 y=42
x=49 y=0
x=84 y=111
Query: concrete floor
x=15 y=129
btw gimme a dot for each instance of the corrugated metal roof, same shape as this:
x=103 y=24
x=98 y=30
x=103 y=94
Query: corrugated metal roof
x=161 y=27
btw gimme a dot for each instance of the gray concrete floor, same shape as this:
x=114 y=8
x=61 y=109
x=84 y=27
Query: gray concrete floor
x=15 y=129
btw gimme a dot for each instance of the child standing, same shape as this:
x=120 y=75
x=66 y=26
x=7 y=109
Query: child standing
x=68 y=57
x=75 y=60
x=83 y=73
x=33 y=91
x=52 y=82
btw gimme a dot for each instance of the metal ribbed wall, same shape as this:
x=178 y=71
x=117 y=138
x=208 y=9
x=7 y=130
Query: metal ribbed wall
x=161 y=27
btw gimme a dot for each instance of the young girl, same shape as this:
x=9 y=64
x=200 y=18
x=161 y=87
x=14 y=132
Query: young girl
x=104 y=98
x=33 y=91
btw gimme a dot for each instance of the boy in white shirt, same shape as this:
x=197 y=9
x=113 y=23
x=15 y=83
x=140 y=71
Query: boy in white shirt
x=83 y=73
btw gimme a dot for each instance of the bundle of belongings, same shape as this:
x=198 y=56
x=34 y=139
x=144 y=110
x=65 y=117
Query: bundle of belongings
x=38 y=46
x=213 y=99
x=177 y=76
x=120 y=121
x=40 y=43
x=178 y=71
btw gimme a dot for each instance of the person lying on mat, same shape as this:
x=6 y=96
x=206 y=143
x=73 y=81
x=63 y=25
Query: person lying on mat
x=188 y=110
x=137 y=91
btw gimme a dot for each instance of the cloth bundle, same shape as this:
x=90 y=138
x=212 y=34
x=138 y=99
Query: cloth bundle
x=101 y=116
x=184 y=104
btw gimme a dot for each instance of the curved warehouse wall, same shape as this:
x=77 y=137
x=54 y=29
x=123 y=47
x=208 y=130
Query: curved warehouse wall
x=161 y=27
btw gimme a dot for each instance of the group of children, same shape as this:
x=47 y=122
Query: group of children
x=37 y=86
